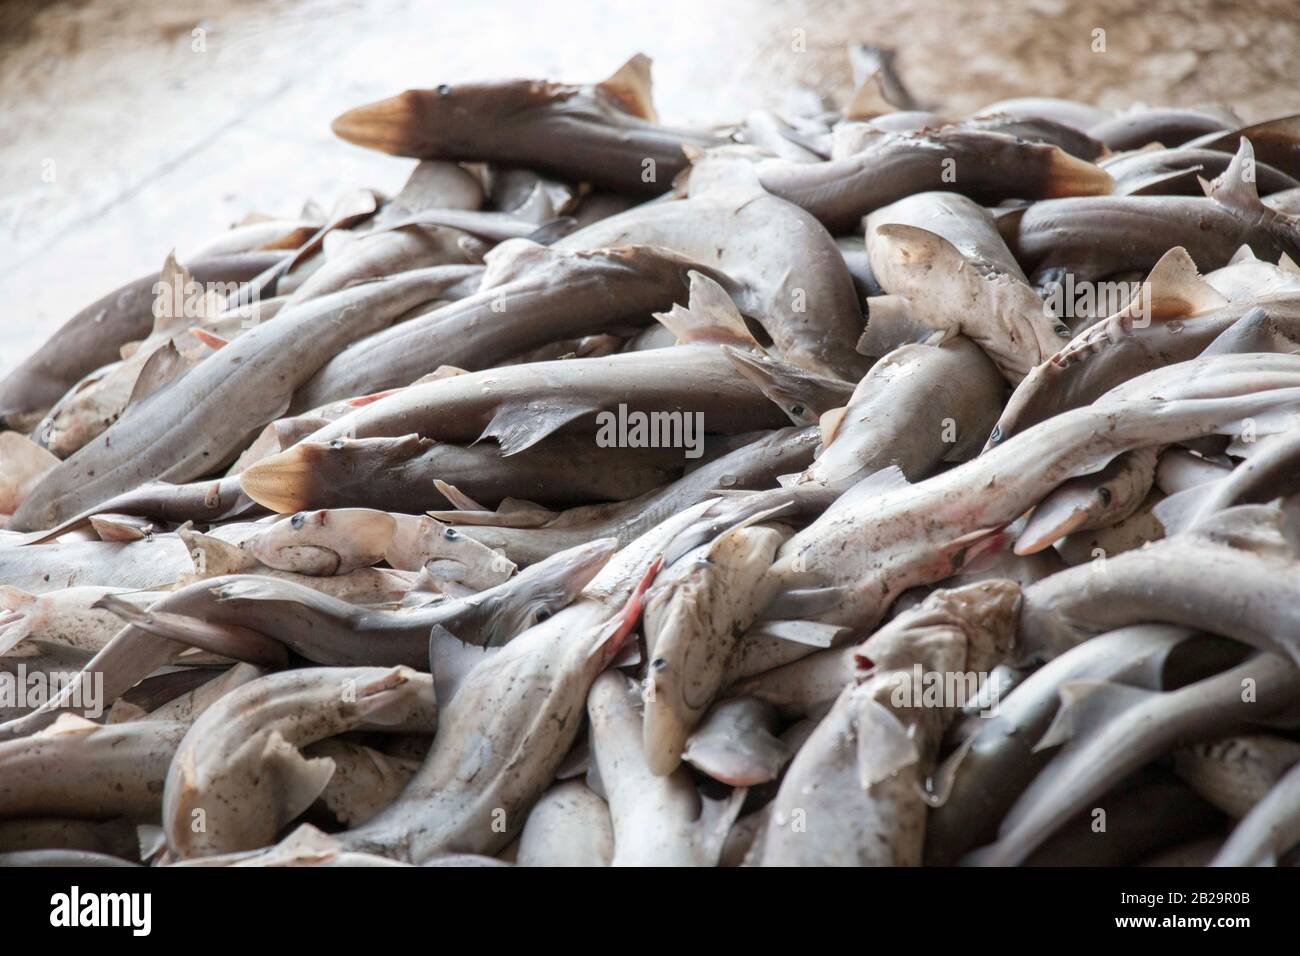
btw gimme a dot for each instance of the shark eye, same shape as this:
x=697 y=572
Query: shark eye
x=1104 y=492
x=796 y=409
x=997 y=434
x=659 y=663
x=297 y=520
x=451 y=534
x=444 y=90
x=336 y=443
x=543 y=613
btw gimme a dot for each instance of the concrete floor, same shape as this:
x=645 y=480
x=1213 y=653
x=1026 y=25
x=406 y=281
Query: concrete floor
x=130 y=127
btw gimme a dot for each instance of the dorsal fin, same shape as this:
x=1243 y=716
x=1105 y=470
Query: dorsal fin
x=710 y=317
x=916 y=245
x=1173 y=290
x=439 y=373
x=891 y=324
x=829 y=423
x=1178 y=511
x=868 y=100
x=181 y=301
x=18 y=626
x=23 y=459
x=175 y=281
x=290 y=431
x=1087 y=706
x=1256 y=331
x=854 y=136
x=312 y=210
x=521 y=509
x=1244 y=254
x=1007 y=219
x=881 y=482
x=162 y=368
x=299 y=779
x=1236 y=188
x=123 y=711
x=119 y=527
x=724 y=538
x=721 y=170
x=68 y=725
x=514 y=258
x=631 y=85
x=306 y=843
x=12 y=598
x=359 y=400
x=868 y=61
x=1262 y=529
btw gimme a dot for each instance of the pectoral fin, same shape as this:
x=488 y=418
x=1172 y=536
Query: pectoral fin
x=804 y=603
x=459 y=500
x=811 y=633
x=519 y=424
x=884 y=746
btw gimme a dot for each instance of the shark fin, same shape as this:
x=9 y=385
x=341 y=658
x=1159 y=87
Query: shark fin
x=1236 y=187
x=518 y=425
x=710 y=317
x=631 y=85
x=1262 y=529
x=885 y=748
x=1087 y=705
x=829 y=423
x=301 y=779
x=1245 y=254
x=810 y=633
x=162 y=368
x=459 y=500
x=1173 y=290
x=805 y=603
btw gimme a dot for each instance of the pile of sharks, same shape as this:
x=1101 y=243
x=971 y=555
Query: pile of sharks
x=867 y=485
